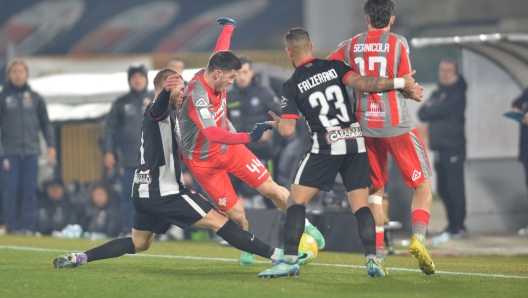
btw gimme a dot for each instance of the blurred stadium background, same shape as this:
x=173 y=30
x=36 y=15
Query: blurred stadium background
x=78 y=51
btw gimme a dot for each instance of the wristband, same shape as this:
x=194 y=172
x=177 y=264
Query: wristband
x=399 y=83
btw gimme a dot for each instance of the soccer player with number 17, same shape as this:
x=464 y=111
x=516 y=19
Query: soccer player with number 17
x=386 y=123
x=317 y=89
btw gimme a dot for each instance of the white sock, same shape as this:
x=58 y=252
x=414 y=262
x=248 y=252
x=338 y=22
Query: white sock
x=306 y=222
x=290 y=258
x=276 y=254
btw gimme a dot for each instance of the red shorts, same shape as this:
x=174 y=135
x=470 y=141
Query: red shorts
x=407 y=150
x=212 y=174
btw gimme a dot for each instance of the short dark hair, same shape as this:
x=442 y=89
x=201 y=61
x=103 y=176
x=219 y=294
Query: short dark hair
x=224 y=61
x=297 y=39
x=161 y=77
x=380 y=12
x=245 y=60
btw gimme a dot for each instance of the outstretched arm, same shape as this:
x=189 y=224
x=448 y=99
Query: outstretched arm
x=285 y=126
x=379 y=84
x=224 y=40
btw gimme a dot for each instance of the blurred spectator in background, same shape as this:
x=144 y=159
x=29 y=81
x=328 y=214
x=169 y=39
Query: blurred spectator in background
x=248 y=102
x=22 y=114
x=102 y=216
x=521 y=105
x=444 y=113
x=123 y=133
x=176 y=63
x=55 y=210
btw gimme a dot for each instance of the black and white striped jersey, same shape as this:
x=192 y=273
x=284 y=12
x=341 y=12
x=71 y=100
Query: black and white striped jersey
x=159 y=173
x=318 y=91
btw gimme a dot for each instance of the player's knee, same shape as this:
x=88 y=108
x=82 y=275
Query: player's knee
x=142 y=245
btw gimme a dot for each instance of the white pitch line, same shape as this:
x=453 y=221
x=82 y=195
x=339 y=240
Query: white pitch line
x=26 y=248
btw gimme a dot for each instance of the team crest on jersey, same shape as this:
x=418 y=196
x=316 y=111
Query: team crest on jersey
x=222 y=202
x=192 y=191
x=205 y=113
x=142 y=178
x=350 y=133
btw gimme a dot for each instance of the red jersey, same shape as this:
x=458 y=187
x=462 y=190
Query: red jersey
x=202 y=107
x=384 y=54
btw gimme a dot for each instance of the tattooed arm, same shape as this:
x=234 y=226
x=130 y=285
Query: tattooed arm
x=379 y=84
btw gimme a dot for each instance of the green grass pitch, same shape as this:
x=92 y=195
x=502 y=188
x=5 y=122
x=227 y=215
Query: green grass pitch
x=205 y=269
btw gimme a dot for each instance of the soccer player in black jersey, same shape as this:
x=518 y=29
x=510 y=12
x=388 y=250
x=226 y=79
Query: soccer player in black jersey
x=317 y=89
x=159 y=196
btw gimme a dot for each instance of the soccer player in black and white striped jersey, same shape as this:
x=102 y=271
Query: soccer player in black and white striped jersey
x=159 y=196
x=317 y=90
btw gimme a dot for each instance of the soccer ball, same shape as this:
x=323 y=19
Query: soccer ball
x=308 y=246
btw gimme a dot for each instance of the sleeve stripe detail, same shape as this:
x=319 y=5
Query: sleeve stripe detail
x=346 y=76
x=290 y=116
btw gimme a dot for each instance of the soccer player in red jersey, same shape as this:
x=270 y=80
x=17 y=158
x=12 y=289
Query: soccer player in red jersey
x=386 y=123
x=212 y=148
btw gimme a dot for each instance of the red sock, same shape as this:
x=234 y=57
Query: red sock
x=420 y=217
x=380 y=238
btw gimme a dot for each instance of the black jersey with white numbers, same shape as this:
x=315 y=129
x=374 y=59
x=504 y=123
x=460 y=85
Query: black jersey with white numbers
x=159 y=172
x=318 y=91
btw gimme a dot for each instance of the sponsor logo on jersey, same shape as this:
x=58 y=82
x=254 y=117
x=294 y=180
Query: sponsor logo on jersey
x=222 y=202
x=205 y=113
x=371 y=47
x=375 y=111
x=218 y=115
x=142 y=178
x=317 y=80
x=284 y=102
x=416 y=175
x=201 y=103
x=351 y=133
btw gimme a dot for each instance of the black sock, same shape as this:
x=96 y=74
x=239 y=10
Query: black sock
x=244 y=240
x=367 y=229
x=111 y=249
x=293 y=228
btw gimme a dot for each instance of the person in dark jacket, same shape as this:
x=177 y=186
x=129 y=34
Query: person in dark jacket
x=22 y=114
x=122 y=133
x=444 y=113
x=102 y=215
x=520 y=104
x=55 y=211
x=248 y=102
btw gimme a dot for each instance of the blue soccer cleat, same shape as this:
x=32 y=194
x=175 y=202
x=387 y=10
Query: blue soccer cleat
x=281 y=269
x=314 y=232
x=246 y=259
x=70 y=260
x=375 y=268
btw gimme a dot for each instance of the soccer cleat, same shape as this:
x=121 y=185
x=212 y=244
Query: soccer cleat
x=314 y=232
x=281 y=269
x=70 y=260
x=301 y=258
x=375 y=268
x=420 y=252
x=246 y=259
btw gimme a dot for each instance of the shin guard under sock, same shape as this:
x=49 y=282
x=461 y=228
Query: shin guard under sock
x=111 y=249
x=366 y=229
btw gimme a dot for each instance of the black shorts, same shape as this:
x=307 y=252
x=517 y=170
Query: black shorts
x=320 y=170
x=157 y=214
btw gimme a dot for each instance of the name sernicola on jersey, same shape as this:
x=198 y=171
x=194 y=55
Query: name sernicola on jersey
x=159 y=173
x=317 y=90
x=385 y=54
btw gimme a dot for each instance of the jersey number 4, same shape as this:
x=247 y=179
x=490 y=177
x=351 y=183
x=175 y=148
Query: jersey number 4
x=331 y=93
